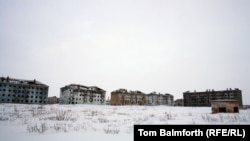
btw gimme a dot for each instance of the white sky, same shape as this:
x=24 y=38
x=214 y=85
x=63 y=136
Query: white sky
x=167 y=46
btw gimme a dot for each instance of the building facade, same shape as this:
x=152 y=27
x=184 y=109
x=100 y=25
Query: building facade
x=125 y=97
x=14 y=90
x=225 y=106
x=178 y=102
x=154 y=98
x=53 y=100
x=204 y=98
x=80 y=94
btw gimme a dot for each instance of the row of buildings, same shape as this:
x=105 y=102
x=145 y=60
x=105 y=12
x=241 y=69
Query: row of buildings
x=80 y=94
x=125 y=97
x=14 y=90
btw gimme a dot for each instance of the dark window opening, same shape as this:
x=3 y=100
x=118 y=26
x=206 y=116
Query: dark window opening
x=222 y=109
x=236 y=109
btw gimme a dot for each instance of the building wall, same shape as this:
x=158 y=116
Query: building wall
x=228 y=106
x=23 y=91
x=53 y=100
x=79 y=94
x=169 y=99
x=124 y=97
x=204 y=98
x=116 y=99
x=152 y=99
x=159 y=99
x=178 y=102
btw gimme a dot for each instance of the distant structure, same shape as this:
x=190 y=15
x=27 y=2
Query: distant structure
x=154 y=98
x=14 y=90
x=225 y=106
x=53 y=100
x=107 y=101
x=178 y=102
x=204 y=98
x=80 y=94
x=125 y=97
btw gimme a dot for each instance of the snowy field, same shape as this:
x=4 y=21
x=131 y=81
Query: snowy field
x=99 y=122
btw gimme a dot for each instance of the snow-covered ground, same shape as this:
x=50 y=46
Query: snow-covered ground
x=25 y=122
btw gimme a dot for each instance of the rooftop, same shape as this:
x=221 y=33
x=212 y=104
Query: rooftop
x=21 y=81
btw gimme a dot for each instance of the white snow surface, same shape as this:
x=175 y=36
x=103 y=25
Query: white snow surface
x=26 y=122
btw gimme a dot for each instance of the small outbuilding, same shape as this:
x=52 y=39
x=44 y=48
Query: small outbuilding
x=225 y=106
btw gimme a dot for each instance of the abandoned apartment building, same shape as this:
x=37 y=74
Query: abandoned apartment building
x=204 y=98
x=14 y=90
x=80 y=94
x=125 y=97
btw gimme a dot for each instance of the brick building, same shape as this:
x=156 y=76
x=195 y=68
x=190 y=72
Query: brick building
x=124 y=97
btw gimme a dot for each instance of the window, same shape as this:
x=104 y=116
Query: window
x=222 y=109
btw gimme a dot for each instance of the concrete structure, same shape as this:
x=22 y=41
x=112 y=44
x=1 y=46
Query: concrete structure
x=204 y=98
x=53 y=100
x=125 y=97
x=225 y=106
x=159 y=99
x=14 y=90
x=178 y=102
x=80 y=94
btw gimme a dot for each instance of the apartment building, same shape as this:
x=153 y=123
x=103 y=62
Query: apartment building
x=125 y=97
x=204 y=98
x=154 y=98
x=14 y=90
x=80 y=94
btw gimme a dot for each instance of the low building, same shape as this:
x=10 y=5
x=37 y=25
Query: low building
x=13 y=90
x=178 y=102
x=225 y=106
x=53 y=100
x=80 y=94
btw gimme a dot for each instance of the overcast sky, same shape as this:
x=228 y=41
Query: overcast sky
x=166 y=46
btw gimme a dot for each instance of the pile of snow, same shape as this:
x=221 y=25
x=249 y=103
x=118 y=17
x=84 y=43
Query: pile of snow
x=99 y=122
